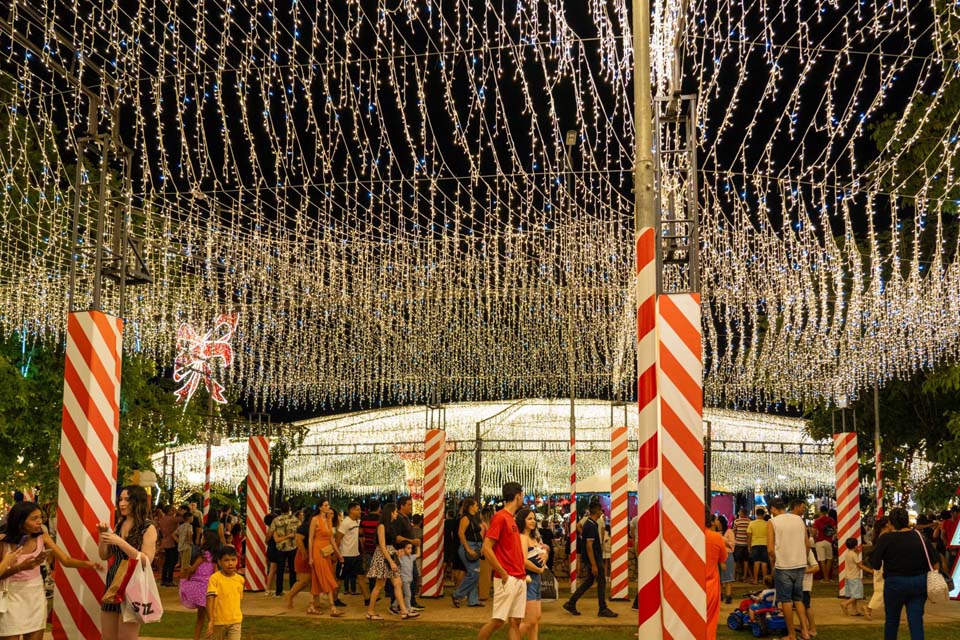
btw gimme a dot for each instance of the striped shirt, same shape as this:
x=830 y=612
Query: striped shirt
x=740 y=531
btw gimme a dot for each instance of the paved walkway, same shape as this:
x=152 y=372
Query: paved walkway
x=827 y=609
x=439 y=611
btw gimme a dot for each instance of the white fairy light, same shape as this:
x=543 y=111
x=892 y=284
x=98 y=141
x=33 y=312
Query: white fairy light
x=383 y=191
x=375 y=451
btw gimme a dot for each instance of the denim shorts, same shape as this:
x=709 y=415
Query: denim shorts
x=789 y=584
x=758 y=553
x=853 y=588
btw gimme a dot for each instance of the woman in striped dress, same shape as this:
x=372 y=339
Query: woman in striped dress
x=134 y=534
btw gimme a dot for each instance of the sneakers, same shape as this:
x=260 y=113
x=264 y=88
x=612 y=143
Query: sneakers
x=339 y=603
x=395 y=610
x=571 y=608
x=456 y=601
x=606 y=613
x=415 y=608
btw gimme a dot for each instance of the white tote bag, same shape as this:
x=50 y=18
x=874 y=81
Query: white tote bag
x=141 y=602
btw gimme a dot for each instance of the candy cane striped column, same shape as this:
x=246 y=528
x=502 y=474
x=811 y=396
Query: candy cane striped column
x=573 y=515
x=879 y=465
x=88 y=465
x=845 y=460
x=258 y=500
x=648 y=477
x=619 y=574
x=679 y=382
x=434 y=496
x=206 y=480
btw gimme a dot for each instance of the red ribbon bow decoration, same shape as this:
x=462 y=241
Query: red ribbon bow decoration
x=195 y=354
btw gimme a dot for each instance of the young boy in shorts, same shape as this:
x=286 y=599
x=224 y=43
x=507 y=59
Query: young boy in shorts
x=224 y=593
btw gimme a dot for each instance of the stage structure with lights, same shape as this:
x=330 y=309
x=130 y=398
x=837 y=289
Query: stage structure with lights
x=383 y=192
x=365 y=453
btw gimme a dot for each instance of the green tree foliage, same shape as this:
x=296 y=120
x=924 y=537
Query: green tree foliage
x=31 y=394
x=919 y=421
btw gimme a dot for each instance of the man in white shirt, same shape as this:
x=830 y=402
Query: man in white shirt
x=348 y=541
x=787 y=546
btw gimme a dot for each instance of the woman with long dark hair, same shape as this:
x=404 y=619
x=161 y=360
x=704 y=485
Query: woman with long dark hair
x=535 y=559
x=134 y=534
x=323 y=553
x=26 y=615
x=470 y=534
x=384 y=565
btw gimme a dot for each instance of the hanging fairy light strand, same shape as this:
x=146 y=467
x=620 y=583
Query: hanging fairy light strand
x=382 y=189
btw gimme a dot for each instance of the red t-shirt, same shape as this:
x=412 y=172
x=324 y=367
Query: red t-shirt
x=503 y=530
x=820 y=524
x=948 y=527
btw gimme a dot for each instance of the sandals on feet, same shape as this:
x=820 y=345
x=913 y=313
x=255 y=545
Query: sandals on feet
x=335 y=613
x=311 y=611
x=374 y=616
x=410 y=615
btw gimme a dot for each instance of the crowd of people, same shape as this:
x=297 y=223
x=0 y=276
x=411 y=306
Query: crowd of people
x=373 y=550
x=780 y=550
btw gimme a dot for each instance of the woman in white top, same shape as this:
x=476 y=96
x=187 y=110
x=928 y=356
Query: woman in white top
x=26 y=614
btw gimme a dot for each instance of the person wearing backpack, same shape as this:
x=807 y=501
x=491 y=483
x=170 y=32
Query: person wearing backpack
x=826 y=530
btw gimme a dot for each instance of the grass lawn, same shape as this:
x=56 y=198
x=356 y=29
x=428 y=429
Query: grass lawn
x=180 y=625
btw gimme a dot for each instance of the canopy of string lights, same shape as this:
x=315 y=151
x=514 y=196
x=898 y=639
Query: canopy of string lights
x=383 y=192
x=381 y=451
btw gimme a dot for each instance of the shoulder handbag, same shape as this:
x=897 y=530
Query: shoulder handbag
x=327 y=551
x=937 y=589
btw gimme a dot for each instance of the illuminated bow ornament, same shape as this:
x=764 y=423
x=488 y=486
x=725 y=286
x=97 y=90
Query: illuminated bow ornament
x=196 y=355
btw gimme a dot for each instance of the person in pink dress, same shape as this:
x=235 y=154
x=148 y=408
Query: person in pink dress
x=193 y=587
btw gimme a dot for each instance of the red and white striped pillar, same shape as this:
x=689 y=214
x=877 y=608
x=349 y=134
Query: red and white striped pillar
x=573 y=515
x=879 y=464
x=679 y=382
x=88 y=465
x=648 y=468
x=619 y=573
x=845 y=458
x=434 y=499
x=258 y=501
x=206 y=479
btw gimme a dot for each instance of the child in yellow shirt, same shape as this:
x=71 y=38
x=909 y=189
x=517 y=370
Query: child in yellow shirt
x=224 y=593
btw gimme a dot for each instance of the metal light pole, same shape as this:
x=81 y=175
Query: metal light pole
x=648 y=268
x=876 y=449
x=570 y=140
